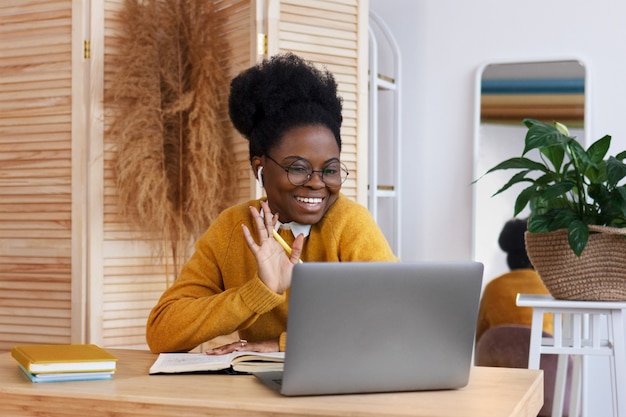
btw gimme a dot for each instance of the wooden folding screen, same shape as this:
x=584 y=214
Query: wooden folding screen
x=72 y=270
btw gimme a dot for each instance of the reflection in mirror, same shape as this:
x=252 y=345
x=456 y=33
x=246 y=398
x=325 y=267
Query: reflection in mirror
x=507 y=93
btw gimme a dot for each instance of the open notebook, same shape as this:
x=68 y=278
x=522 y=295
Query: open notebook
x=379 y=327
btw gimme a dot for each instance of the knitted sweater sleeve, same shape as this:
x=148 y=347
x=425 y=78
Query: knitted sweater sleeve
x=217 y=292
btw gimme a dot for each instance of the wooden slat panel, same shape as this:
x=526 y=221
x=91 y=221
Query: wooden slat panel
x=239 y=27
x=35 y=172
x=327 y=33
x=109 y=243
x=36 y=151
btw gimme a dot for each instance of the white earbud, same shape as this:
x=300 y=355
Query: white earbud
x=259 y=176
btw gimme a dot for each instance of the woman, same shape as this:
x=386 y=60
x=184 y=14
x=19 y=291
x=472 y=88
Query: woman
x=497 y=305
x=238 y=279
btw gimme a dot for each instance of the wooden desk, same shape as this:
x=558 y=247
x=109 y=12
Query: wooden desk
x=493 y=392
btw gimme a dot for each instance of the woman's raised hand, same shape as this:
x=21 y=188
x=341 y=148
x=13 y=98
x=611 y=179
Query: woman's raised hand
x=275 y=265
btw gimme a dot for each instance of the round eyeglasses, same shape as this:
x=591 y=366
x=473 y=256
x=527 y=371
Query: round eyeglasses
x=300 y=171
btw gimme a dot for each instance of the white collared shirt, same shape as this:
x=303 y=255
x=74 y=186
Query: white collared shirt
x=296 y=228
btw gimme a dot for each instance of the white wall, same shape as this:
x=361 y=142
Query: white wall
x=443 y=43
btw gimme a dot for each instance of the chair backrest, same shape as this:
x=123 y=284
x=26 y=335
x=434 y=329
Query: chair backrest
x=507 y=346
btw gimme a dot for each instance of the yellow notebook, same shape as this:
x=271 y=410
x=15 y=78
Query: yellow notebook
x=41 y=359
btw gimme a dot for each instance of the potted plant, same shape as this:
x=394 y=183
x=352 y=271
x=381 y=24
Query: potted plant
x=577 y=218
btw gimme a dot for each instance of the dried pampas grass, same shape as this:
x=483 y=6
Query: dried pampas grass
x=169 y=95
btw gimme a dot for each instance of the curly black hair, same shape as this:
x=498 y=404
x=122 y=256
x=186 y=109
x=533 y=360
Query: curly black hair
x=279 y=94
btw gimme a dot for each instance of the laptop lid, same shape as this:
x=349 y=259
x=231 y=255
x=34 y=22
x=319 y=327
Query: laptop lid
x=378 y=327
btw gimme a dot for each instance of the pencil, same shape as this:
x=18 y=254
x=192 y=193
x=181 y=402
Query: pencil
x=284 y=244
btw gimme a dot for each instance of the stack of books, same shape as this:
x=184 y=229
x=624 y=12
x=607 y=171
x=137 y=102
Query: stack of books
x=72 y=362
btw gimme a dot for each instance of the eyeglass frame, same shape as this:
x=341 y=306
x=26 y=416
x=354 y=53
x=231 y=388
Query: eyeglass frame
x=312 y=171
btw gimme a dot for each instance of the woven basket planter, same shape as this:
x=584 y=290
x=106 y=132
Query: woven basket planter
x=599 y=274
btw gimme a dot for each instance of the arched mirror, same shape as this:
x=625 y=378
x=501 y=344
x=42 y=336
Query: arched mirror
x=507 y=93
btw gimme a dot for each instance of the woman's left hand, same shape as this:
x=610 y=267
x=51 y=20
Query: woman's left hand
x=244 y=345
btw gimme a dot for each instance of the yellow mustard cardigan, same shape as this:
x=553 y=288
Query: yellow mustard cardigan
x=219 y=292
x=497 y=305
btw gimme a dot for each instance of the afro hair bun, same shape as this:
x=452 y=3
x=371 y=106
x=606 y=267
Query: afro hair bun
x=270 y=91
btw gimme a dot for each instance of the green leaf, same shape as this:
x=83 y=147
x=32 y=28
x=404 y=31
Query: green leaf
x=615 y=171
x=531 y=122
x=523 y=198
x=563 y=219
x=539 y=223
x=555 y=155
x=519 y=163
x=515 y=179
x=541 y=135
x=596 y=173
x=614 y=208
x=597 y=151
x=577 y=236
x=556 y=190
x=546 y=179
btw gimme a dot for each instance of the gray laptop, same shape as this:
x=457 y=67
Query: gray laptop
x=379 y=327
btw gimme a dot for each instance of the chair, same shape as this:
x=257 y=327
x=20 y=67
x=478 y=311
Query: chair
x=508 y=346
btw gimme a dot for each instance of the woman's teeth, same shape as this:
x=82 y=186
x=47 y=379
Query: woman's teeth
x=309 y=200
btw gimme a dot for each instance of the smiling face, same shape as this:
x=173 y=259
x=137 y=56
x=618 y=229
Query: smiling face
x=305 y=203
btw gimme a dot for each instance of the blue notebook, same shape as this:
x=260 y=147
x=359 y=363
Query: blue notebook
x=69 y=376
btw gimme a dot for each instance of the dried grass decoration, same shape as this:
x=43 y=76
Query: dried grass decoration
x=170 y=127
